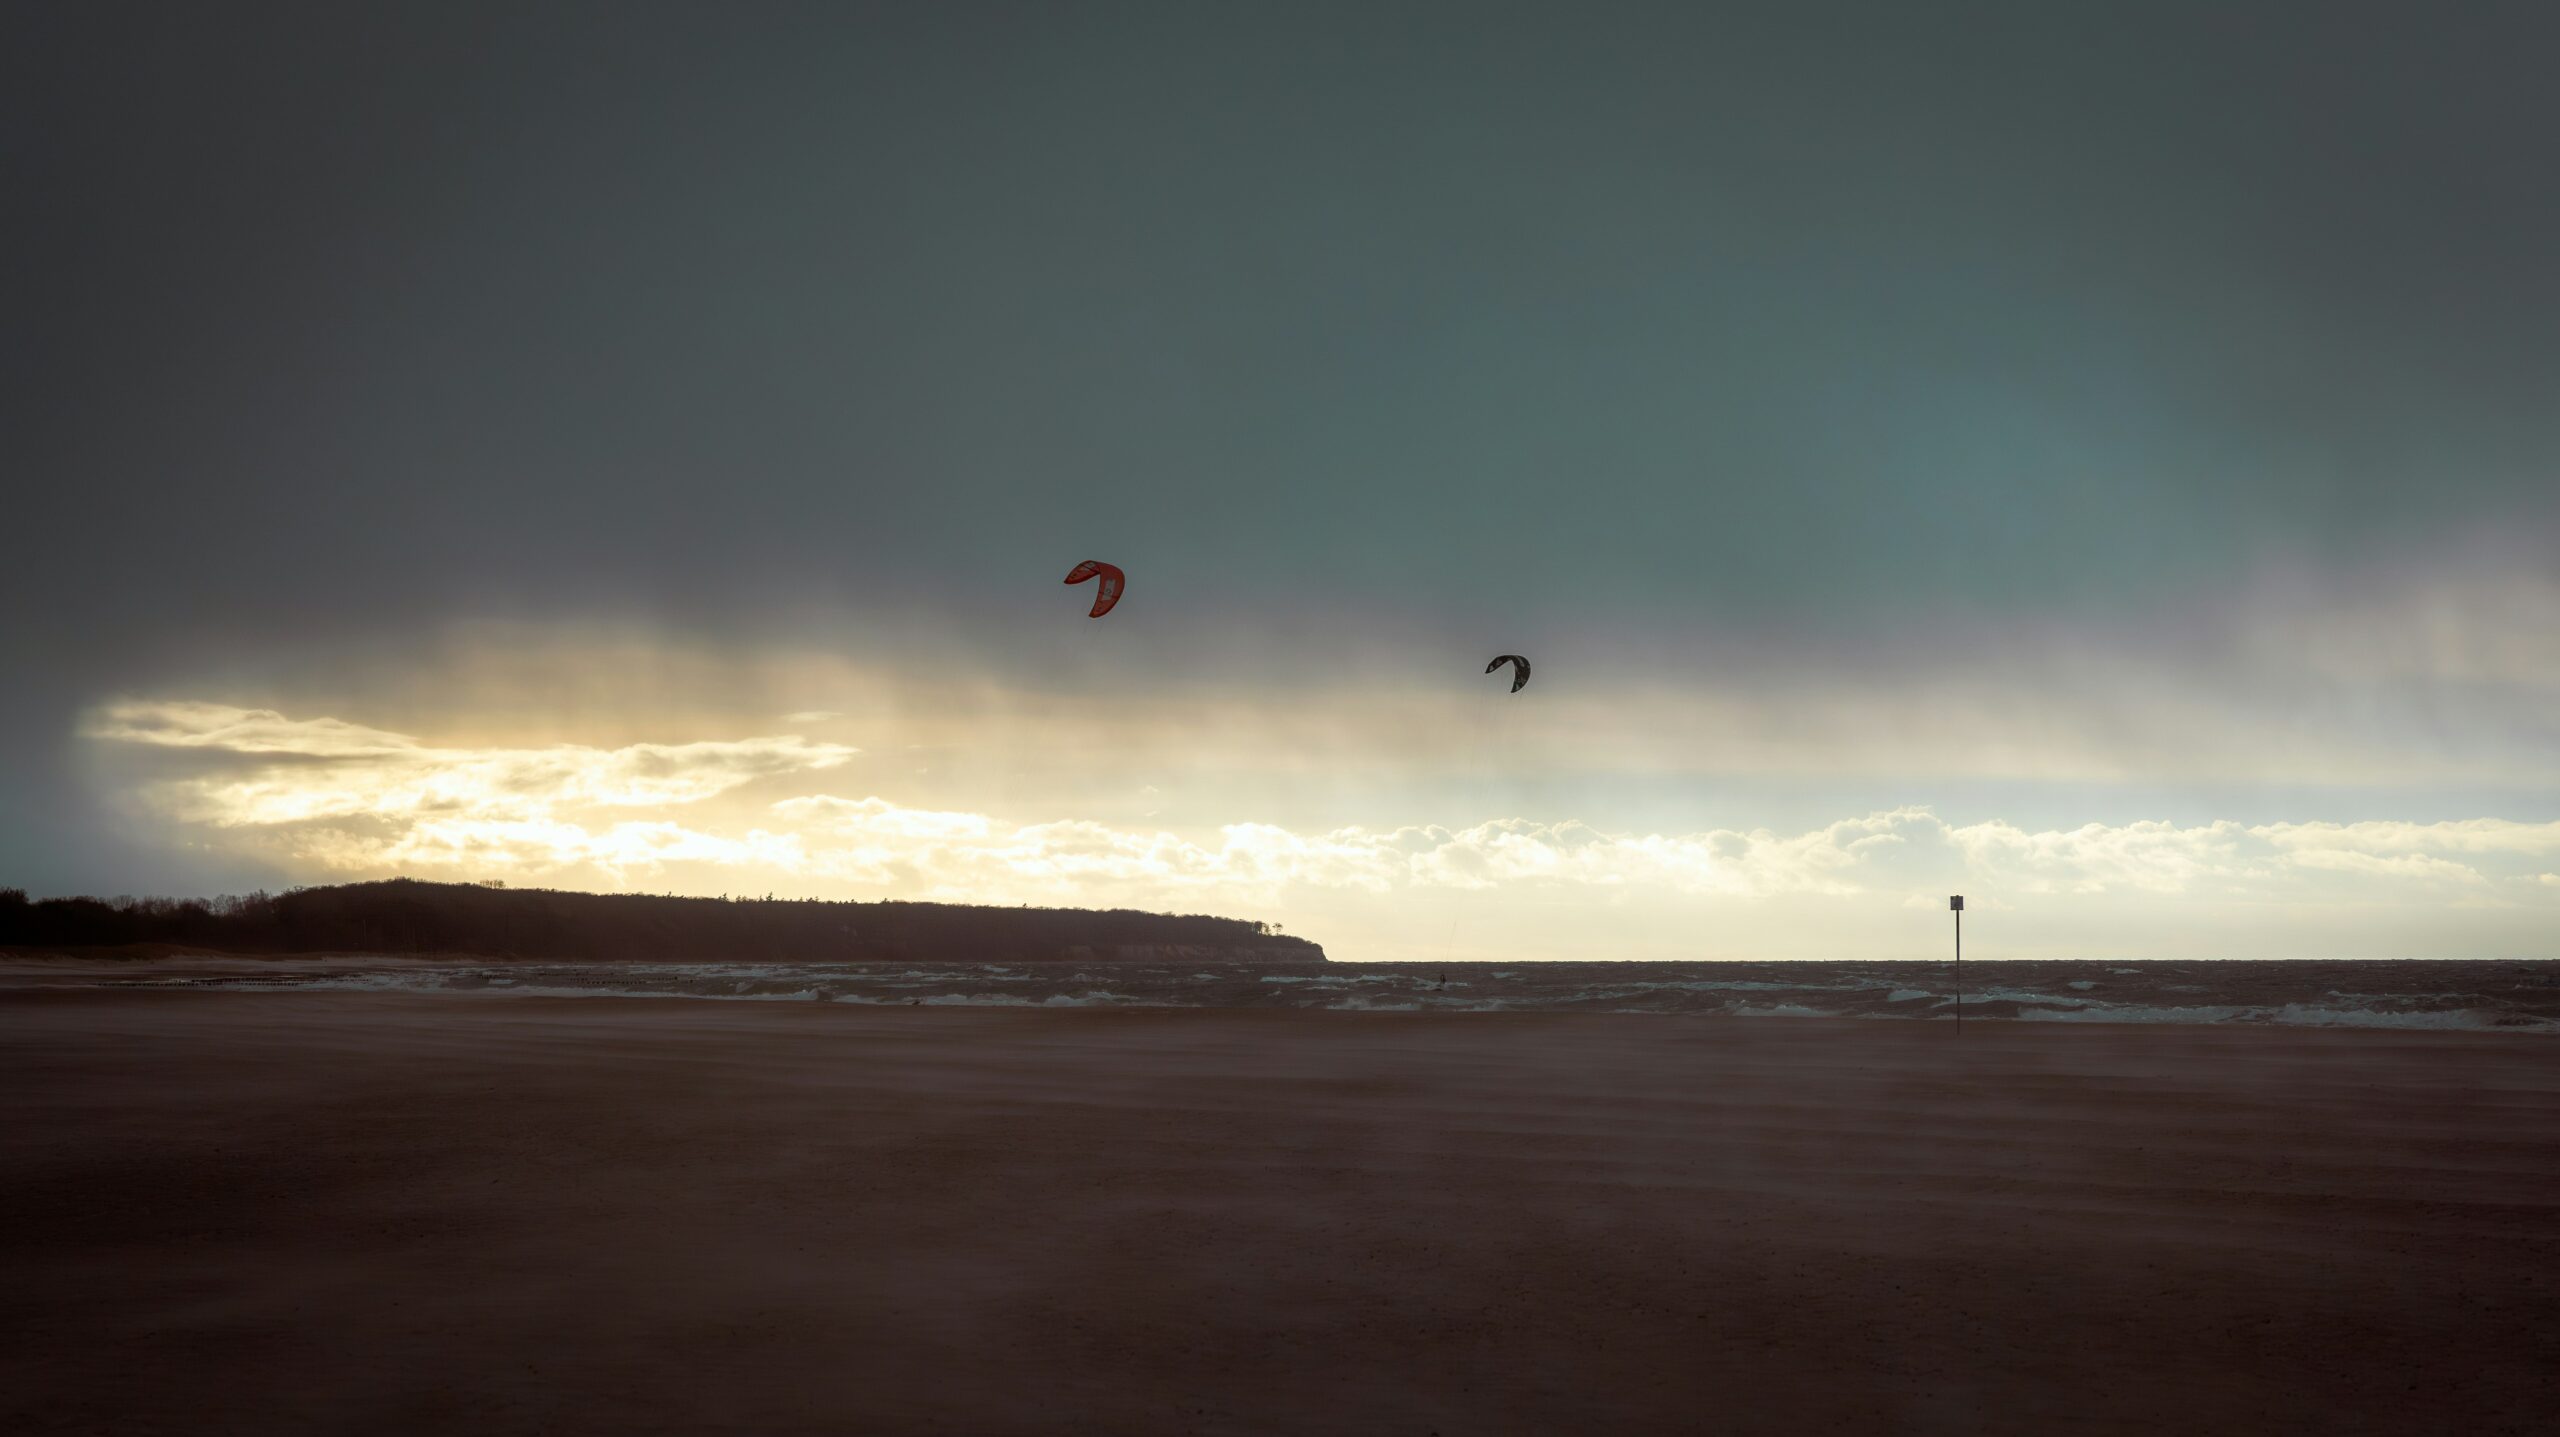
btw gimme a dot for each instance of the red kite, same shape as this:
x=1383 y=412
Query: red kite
x=1112 y=582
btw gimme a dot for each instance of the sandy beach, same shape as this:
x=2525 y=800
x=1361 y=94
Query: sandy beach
x=397 y=1213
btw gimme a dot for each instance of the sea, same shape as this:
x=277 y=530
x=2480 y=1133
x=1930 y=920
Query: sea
x=2505 y=996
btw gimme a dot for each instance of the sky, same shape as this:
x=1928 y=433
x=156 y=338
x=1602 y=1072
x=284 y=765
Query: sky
x=2096 y=459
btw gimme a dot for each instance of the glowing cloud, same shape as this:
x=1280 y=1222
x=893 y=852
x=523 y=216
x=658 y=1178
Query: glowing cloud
x=301 y=770
x=327 y=797
x=353 y=799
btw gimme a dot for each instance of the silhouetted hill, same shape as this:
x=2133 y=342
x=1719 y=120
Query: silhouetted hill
x=406 y=916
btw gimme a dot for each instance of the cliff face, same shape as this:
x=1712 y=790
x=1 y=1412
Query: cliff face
x=406 y=916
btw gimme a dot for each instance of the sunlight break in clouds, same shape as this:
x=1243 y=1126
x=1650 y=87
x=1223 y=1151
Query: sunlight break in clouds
x=324 y=795
x=324 y=769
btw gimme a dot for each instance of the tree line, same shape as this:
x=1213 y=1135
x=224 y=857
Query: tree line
x=403 y=915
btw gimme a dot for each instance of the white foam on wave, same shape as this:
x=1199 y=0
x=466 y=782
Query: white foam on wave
x=1629 y=988
x=1751 y=985
x=1095 y=998
x=2020 y=995
x=353 y=983
x=1905 y=995
x=2135 y=1013
x=2324 y=1016
x=551 y=990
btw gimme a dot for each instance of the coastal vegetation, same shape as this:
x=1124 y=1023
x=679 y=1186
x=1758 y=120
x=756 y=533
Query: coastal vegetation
x=405 y=916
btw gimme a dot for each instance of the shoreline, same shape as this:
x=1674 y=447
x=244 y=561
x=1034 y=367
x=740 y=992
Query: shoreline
x=2437 y=995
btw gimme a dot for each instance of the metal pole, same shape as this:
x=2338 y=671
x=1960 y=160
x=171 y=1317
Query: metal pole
x=1957 y=903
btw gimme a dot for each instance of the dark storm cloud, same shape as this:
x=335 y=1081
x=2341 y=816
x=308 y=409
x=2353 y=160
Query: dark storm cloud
x=330 y=321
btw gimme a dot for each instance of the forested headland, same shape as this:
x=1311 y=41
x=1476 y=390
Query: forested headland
x=405 y=916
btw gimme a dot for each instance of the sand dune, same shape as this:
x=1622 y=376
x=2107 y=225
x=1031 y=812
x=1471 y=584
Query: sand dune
x=295 y=1212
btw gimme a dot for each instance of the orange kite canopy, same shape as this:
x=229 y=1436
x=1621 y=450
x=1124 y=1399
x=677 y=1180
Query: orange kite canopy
x=1113 y=581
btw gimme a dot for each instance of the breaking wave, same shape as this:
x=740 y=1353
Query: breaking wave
x=2415 y=995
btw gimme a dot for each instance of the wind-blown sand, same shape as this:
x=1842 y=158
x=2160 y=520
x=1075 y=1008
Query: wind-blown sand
x=299 y=1212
